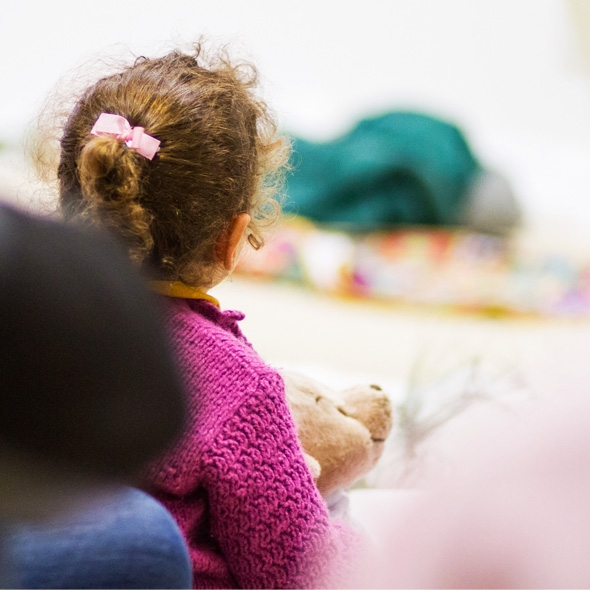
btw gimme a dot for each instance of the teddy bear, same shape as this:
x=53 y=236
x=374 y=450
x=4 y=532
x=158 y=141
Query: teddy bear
x=342 y=433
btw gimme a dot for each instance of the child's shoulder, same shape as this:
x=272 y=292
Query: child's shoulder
x=205 y=336
x=220 y=368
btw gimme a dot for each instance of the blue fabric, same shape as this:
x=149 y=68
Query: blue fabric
x=398 y=168
x=127 y=540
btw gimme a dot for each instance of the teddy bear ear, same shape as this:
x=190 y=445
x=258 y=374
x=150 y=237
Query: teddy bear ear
x=313 y=465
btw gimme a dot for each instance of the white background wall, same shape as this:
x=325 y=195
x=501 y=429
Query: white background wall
x=508 y=71
x=326 y=62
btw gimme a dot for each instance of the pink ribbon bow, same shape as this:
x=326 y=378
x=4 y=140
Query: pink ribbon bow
x=134 y=137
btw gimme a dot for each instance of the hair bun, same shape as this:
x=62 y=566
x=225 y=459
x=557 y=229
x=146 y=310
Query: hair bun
x=110 y=179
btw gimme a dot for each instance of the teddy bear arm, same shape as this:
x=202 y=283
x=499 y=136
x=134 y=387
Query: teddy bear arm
x=342 y=469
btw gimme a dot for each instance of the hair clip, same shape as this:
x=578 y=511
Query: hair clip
x=134 y=137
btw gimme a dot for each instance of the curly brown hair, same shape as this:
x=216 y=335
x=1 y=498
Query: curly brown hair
x=219 y=156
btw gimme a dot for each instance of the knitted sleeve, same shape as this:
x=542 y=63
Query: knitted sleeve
x=266 y=512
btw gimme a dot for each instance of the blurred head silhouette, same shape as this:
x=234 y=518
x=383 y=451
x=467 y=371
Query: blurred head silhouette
x=89 y=385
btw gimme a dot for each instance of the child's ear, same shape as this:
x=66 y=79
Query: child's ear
x=230 y=242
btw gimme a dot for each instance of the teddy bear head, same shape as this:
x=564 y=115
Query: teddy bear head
x=342 y=433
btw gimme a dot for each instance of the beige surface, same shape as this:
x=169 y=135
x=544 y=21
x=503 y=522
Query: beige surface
x=292 y=325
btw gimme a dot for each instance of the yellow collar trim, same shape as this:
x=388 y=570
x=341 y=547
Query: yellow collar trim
x=178 y=289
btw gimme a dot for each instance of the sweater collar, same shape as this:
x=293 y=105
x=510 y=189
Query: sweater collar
x=182 y=291
x=178 y=290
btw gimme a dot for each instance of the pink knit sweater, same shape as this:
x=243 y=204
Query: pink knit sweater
x=237 y=482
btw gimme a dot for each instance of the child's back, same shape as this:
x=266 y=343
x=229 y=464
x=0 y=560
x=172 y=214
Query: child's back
x=237 y=482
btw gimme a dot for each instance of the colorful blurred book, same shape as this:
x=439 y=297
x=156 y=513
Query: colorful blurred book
x=453 y=268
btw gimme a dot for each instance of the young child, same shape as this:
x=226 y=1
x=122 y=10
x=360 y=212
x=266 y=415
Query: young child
x=180 y=159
